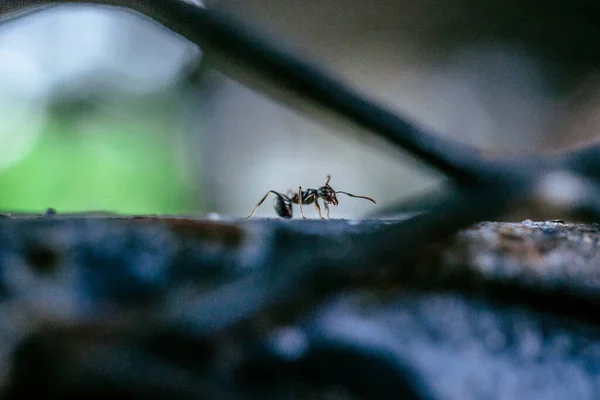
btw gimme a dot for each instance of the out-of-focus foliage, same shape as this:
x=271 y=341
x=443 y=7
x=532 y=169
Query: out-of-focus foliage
x=91 y=114
x=98 y=165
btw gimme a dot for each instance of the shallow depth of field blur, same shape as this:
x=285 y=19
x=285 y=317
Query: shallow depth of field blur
x=92 y=114
x=102 y=110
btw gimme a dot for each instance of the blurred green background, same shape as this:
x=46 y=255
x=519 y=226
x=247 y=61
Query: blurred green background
x=91 y=115
x=120 y=165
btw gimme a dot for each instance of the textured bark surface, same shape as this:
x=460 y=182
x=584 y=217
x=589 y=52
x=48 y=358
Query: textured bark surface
x=157 y=307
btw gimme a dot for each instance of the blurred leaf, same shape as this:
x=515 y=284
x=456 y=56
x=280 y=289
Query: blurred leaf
x=114 y=166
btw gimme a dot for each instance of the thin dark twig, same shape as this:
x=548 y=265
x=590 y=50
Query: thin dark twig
x=225 y=35
x=221 y=34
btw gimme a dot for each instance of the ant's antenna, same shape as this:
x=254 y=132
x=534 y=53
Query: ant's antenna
x=358 y=197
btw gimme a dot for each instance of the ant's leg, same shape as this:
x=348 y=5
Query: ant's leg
x=260 y=202
x=327 y=209
x=328 y=179
x=300 y=201
x=318 y=207
x=307 y=199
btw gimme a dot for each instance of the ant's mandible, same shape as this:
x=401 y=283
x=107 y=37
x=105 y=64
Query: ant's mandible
x=283 y=202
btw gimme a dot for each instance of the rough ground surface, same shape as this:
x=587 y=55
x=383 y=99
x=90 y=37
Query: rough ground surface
x=158 y=307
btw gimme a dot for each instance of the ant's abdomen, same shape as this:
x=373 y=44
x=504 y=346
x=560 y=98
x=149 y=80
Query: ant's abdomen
x=283 y=208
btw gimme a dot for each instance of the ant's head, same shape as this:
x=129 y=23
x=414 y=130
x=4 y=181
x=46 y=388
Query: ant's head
x=327 y=193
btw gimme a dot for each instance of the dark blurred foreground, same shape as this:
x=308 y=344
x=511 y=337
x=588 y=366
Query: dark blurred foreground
x=157 y=308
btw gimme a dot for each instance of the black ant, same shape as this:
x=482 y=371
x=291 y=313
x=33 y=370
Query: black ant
x=283 y=203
